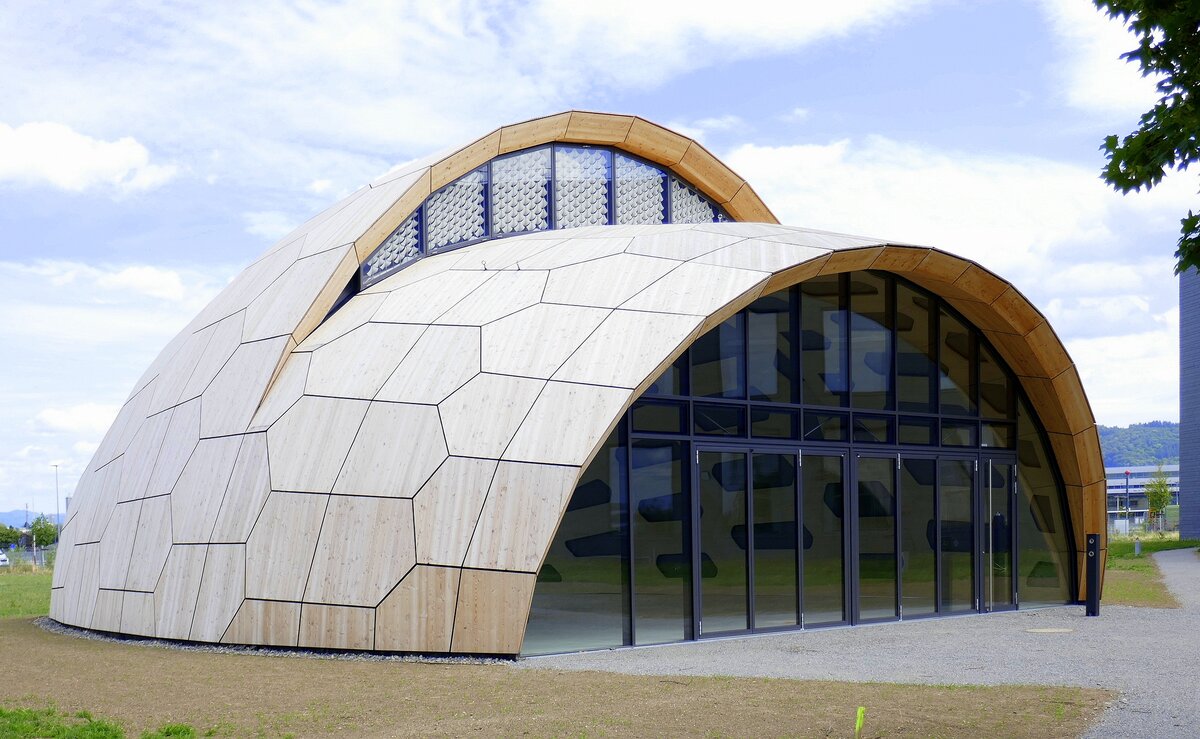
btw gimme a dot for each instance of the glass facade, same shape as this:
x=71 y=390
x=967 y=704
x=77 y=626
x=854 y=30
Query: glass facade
x=538 y=189
x=843 y=451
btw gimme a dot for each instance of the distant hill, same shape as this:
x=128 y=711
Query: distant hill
x=1155 y=442
x=16 y=518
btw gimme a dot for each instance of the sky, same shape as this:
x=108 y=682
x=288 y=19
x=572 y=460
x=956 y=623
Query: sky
x=149 y=151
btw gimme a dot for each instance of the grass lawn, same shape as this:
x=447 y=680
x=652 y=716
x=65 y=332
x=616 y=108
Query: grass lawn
x=24 y=592
x=1136 y=581
x=144 y=688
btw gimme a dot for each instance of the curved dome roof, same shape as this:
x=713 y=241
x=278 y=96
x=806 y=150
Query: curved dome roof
x=389 y=475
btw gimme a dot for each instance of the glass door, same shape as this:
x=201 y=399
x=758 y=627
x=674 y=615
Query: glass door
x=875 y=561
x=956 y=534
x=996 y=554
x=721 y=559
x=775 y=563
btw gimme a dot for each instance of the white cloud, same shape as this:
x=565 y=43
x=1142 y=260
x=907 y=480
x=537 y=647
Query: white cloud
x=318 y=187
x=85 y=418
x=1092 y=75
x=796 y=115
x=51 y=153
x=1132 y=377
x=269 y=224
x=351 y=87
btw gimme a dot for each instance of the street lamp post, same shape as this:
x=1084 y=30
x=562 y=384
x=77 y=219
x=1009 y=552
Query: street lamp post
x=1128 y=529
x=57 y=518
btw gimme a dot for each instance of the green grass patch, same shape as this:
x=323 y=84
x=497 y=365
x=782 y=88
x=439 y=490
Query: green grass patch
x=25 y=594
x=1134 y=580
x=50 y=723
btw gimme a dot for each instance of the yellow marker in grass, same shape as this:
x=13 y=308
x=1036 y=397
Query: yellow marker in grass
x=858 y=723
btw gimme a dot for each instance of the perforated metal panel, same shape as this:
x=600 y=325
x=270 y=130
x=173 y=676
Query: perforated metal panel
x=591 y=186
x=581 y=184
x=641 y=192
x=457 y=212
x=689 y=206
x=402 y=247
x=521 y=192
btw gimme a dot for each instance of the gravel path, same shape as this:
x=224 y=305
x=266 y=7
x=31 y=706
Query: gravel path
x=1055 y=646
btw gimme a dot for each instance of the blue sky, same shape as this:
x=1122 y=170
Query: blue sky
x=147 y=153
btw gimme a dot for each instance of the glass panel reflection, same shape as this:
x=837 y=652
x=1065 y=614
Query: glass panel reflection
x=918 y=537
x=918 y=431
x=661 y=417
x=660 y=516
x=823 y=342
x=775 y=602
x=774 y=424
x=822 y=540
x=579 y=601
x=956 y=378
x=1044 y=578
x=872 y=429
x=998 y=529
x=723 y=582
x=717 y=368
x=995 y=386
x=915 y=351
x=870 y=341
x=719 y=420
x=826 y=426
x=769 y=347
x=876 y=538
x=956 y=483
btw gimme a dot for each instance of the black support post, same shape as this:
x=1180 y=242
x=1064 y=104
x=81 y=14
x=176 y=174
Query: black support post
x=1093 y=574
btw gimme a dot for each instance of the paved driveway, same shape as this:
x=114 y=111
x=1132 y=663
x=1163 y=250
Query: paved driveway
x=1151 y=655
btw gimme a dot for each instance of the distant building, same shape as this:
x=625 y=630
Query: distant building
x=1127 y=504
x=1189 y=404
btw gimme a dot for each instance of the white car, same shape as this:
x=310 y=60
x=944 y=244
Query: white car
x=3 y=559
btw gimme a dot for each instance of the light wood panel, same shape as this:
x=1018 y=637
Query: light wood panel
x=280 y=550
x=444 y=359
x=597 y=128
x=224 y=339
x=197 y=496
x=151 y=545
x=117 y=546
x=576 y=251
x=418 y=616
x=490 y=617
x=761 y=255
x=404 y=195
x=356 y=312
x=377 y=349
x=606 y=282
x=425 y=301
x=627 y=347
x=141 y=456
x=746 y=205
x=337 y=627
x=699 y=167
x=175 y=595
x=523 y=507
x=536 y=341
x=501 y=399
x=505 y=293
x=107 y=614
x=271 y=623
x=447 y=507
x=229 y=402
x=464 y=160
x=397 y=449
x=563 y=426
x=301 y=461
x=280 y=307
x=680 y=243
x=534 y=132
x=365 y=547
x=137 y=613
x=183 y=433
x=249 y=485
x=652 y=141
x=283 y=393
x=222 y=588
x=696 y=289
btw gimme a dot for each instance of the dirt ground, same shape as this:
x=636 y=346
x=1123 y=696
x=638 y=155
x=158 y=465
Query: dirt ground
x=143 y=687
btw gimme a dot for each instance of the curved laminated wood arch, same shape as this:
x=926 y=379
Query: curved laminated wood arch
x=447 y=412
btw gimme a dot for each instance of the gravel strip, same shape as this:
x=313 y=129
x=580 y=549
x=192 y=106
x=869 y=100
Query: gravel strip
x=56 y=627
x=1150 y=655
